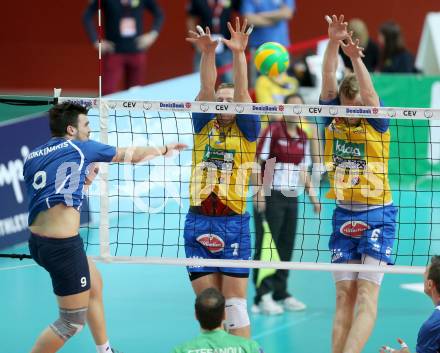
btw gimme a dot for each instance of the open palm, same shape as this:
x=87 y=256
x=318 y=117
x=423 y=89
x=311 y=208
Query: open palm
x=239 y=36
x=352 y=49
x=337 y=28
x=202 y=40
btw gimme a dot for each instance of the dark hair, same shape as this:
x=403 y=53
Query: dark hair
x=210 y=308
x=434 y=272
x=293 y=95
x=62 y=115
x=393 y=40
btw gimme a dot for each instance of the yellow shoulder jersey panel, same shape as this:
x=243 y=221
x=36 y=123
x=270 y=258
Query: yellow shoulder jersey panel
x=273 y=91
x=356 y=159
x=222 y=163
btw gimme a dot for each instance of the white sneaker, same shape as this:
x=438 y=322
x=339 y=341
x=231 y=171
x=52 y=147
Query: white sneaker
x=292 y=304
x=255 y=309
x=268 y=306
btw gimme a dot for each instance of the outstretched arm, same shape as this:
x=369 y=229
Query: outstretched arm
x=139 y=154
x=237 y=44
x=337 y=31
x=208 y=71
x=367 y=91
x=285 y=12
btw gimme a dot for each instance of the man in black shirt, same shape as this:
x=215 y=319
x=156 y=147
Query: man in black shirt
x=125 y=43
x=214 y=14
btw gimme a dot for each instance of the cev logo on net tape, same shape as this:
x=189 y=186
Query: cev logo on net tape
x=255 y=108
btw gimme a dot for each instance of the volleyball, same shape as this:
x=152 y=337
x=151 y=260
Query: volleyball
x=271 y=59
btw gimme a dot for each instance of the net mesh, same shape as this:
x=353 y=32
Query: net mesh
x=147 y=203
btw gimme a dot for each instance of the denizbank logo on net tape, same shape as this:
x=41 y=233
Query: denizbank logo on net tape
x=172 y=106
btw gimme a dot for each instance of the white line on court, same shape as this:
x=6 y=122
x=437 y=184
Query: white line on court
x=282 y=327
x=16 y=267
x=415 y=287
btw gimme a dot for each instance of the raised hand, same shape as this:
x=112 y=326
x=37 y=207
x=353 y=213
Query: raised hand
x=352 y=49
x=202 y=40
x=239 y=36
x=337 y=28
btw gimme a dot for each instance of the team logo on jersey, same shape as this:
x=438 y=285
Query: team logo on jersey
x=354 y=228
x=213 y=243
x=347 y=149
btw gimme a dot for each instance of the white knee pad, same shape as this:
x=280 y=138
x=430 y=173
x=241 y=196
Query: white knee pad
x=375 y=277
x=70 y=322
x=236 y=313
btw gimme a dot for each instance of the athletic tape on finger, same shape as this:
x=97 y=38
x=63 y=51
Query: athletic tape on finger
x=250 y=29
x=403 y=345
x=328 y=19
x=200 y=30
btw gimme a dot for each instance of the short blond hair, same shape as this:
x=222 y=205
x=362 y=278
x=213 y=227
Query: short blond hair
x=225 y=85
x=349 y=87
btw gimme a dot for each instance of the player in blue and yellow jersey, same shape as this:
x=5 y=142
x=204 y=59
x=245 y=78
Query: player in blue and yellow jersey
x=428 y=339
x=55 y=175
x=364 y=220
x=217 y=225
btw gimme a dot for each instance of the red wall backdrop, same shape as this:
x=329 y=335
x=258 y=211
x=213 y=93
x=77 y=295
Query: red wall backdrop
x=43 y=44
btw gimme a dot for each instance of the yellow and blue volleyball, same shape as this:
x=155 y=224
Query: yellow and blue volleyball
x=271 y=59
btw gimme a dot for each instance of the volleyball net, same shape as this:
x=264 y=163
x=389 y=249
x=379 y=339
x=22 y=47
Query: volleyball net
x=138 y=211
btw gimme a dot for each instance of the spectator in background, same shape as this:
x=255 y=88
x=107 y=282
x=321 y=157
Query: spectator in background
x=283 y=89
x=271 y=21
x=214 y=14
x=125 y=42
x=210 y=313
x=371 y=49
x=282 y=150
x=395 y=58
x=273 y=90
x=428 y=340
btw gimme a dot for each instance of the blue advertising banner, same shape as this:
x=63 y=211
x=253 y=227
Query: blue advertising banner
x=17 y=139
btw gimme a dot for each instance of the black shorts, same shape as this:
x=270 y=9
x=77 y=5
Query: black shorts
x=65 y=260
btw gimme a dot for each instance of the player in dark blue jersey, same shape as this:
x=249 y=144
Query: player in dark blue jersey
x=55 y=175
x=428 y=340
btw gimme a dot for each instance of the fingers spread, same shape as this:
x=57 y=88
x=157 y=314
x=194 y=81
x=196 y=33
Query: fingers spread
x=243 y=27
x=231 y=29
x=193 y=34
x=249 y=30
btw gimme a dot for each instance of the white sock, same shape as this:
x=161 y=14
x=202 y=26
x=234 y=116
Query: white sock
x=104 y=348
